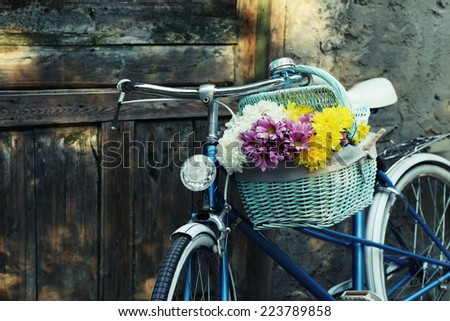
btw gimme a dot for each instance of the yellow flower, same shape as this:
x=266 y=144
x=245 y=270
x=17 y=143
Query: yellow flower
x=330 y=123
x=295 y=111
x=317 y=155
x=361 y=132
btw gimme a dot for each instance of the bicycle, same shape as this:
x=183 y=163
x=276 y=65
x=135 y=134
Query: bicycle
x=400 y=248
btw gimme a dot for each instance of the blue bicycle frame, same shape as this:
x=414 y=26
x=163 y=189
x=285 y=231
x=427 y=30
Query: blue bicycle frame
x=356 y=241
x=284 y=74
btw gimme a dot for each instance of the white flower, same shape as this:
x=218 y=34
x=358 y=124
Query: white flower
x=229 y=153
x=264 y=107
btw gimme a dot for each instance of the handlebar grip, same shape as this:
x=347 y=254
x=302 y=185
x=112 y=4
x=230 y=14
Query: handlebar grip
x=122 y=85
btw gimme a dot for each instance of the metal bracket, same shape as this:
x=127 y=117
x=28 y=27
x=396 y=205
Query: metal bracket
x=397 y=195
x=224 y=230
x=206 y=93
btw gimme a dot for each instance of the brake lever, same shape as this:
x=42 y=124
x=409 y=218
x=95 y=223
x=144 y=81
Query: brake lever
x=116 y=114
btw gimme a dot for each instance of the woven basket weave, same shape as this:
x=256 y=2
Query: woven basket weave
x=283 y=197
x=318 y=97
x=317 y=201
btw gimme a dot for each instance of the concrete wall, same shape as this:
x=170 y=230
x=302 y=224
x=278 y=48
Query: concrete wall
x=406 y=41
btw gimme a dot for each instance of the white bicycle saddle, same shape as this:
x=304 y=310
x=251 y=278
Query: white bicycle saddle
x=373 y=93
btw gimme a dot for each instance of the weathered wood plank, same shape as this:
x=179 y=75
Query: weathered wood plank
x=31 y=108
x=116 y=247
x=113 y=23
x=87 y=67
x=67 y=213
x=246 y=50
x=262 y=39
x=66 y=44
x=277 y=29
x=17 y=220
x=161 y=202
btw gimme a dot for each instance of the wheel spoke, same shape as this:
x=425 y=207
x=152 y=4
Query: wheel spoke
x=190 y=271
x=426 y=188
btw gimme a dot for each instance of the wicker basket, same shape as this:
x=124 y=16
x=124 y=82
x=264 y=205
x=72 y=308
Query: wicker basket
x=291 y=196
x=318 y=200
x=318 y=97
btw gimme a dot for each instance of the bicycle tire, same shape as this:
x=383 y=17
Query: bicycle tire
x=423 y=180
x=200 y=254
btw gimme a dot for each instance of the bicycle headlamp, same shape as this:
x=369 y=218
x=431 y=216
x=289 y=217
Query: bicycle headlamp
x=198 y=172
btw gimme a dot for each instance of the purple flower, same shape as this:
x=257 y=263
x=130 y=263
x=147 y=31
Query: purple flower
x=344 y=140
x=250 y=141
x=267 y=142
x=300 y=135
x=305 y=128
x=264 y=144
x=306 y=118
x=267 y=128
x=266 y=158
x=288 y=122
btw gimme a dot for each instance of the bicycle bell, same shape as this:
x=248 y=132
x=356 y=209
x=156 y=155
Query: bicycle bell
x=286 y=68
x=280 y=66
x=198 y=172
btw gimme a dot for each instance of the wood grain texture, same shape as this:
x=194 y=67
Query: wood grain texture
x=160 y=202
x=72 y=227
x=17 y=216
x=277 y=29
x=88 y=23
x=66 y=213
x=59 y=107
x=92 y=66
x=246 y=50
x=116 y=200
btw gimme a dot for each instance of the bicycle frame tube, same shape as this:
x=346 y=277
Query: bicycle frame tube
x=224 y=279
x=210 y=150
x=429 y=287
x=281 y=257
x=330 y=234
x=358 y=251
x=188 y=282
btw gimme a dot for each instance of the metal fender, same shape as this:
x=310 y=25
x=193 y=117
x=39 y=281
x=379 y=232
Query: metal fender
x=193 y=229
x=397 y=170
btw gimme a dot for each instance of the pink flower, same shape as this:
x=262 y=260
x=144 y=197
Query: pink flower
x=306 y=118
x=299 y=136
x=266 y=158
x=267 y=128
x=265 y=143
x=269 y=142
x=344 y=140
x=250 y=142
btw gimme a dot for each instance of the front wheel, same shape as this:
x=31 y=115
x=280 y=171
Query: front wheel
x=426 y=185
x=190 y=271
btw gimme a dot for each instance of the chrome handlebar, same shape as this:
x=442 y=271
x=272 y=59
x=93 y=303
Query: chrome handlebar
x=127 y=86
x=282 y=72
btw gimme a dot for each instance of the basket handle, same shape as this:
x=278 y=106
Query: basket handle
x=333 y=82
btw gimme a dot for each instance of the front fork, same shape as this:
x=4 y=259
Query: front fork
x=220 y=220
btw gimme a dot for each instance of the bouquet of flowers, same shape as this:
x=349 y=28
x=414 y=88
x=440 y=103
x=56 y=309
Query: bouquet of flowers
x=266 y=134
